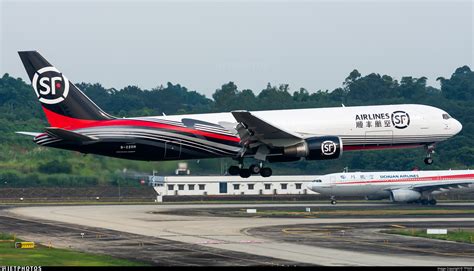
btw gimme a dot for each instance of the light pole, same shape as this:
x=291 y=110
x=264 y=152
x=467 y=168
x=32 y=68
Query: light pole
x=124 y=171
x=118 y=182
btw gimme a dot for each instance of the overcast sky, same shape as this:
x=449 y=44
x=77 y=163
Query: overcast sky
x=204 y=44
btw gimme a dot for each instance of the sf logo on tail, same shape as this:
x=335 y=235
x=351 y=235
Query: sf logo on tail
x=50 y=85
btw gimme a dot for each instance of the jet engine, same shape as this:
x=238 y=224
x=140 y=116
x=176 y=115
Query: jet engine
x=316 y=148
x=404 y=195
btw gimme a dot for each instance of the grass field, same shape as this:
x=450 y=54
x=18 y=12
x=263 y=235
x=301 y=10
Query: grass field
x=44 y=256
x=458 y=235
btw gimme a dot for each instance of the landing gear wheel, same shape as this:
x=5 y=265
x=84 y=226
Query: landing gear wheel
x=432 y=202
x=430 y=150
x=333 y=202
x=234 y=170
x=244 y=173
x=428 y=160
x=424 y=202
x=266 y=172
x=254 y=169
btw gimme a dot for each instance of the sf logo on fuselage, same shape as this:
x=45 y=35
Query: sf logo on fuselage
x=328 y=147
x=400 y=119
x=50 y=85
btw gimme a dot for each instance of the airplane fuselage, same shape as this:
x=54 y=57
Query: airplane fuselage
x=200 y=136
x=380 y=185
x=78 y=124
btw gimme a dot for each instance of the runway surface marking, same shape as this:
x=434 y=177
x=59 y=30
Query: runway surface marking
x=385 y=244
x=228 y=232
x=145 y=242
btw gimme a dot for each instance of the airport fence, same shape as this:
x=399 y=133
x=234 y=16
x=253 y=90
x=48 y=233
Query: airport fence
x=71 y=194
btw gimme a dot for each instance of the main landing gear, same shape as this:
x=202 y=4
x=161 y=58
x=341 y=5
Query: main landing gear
x=429 y=152
x=252 y=170
x=333 y=200
x=426 y=202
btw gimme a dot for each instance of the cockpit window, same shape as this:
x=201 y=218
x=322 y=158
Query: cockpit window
x=317 y=181
x=446 y=116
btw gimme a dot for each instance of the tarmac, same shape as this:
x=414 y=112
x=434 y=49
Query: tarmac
x=183 y=237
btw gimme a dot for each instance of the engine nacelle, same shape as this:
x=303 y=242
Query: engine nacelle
x=316 y=148
x=404 y=195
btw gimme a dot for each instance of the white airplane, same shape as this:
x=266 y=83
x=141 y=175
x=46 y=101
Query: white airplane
x=78 y=124
x=398 y=186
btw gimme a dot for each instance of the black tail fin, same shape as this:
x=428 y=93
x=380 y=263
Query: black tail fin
x=63 y=103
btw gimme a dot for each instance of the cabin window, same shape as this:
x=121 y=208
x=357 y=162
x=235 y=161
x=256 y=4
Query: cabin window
x=284 y=186
x=202 y=186
x=446 y=116
x=170 y=186
x=180 y=186
x=268 y=186
x=317 y=181
x=191 y=186
x=298 y=186
x=251 y=186
x=236 y=186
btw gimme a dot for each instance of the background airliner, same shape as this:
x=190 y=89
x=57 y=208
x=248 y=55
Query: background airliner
x=398 y=186
x=78 y=124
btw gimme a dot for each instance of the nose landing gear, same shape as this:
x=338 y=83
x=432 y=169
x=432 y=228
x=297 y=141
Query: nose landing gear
x=426 y=201
x=429 y=152
x=428 y=160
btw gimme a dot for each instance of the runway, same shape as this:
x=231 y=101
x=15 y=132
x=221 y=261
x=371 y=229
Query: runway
x=259 y=236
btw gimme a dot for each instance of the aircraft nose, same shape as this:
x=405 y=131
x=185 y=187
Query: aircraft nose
x=457 y=126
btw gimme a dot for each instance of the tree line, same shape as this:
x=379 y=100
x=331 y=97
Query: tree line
x=24 y=163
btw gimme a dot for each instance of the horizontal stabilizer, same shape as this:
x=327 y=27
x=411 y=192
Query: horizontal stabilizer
x=68 y=135
x=34 y=134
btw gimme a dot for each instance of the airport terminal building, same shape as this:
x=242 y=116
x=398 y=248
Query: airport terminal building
x=231 y=185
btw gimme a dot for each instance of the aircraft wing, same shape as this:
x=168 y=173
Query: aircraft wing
x=442 y=186
x=255 y=131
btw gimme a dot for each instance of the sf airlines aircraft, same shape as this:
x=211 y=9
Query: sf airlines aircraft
x=398 y=186
x=78 y=124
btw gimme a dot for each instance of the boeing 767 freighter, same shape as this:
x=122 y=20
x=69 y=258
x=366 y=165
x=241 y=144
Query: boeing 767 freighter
x=78 y=124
